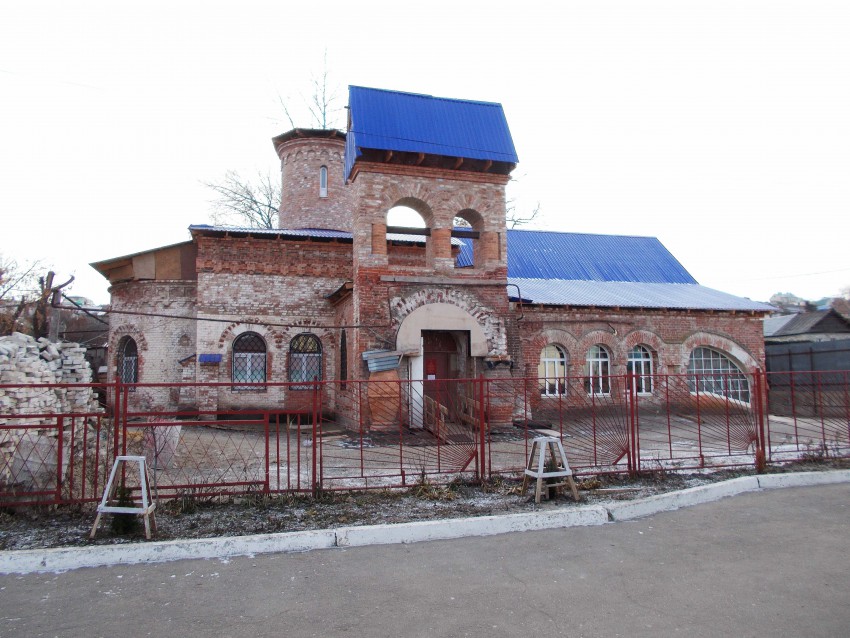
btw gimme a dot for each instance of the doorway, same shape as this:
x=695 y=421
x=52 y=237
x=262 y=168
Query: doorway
x=440 y=367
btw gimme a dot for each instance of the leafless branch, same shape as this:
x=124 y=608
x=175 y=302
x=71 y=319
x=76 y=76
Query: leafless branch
x=514 y=218
x=17 y=280
x=252 y=204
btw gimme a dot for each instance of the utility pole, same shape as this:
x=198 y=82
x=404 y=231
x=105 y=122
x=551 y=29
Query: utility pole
x=44 y=320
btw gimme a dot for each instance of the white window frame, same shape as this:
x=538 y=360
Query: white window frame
x=552 y=371
x=598 y=371
x=713 y=372
x=640 y=367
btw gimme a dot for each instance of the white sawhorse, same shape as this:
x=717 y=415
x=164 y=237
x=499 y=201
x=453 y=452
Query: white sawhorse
x=145 y=508
x=560 y=468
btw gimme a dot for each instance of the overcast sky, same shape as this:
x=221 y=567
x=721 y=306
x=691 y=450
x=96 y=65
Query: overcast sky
x=722 y=128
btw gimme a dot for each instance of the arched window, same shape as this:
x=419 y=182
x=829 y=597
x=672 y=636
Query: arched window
x=343 y=360
x=598 y=371
x=552 y=371
x=323 y=181
x=640 y=365
x=712 y=372
x=305 y=359
x=128 y=361
x=249 y=359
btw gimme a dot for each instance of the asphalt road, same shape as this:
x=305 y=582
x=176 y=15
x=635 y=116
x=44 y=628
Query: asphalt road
x=774 y=563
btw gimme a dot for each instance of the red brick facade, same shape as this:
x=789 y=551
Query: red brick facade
x=279 y=287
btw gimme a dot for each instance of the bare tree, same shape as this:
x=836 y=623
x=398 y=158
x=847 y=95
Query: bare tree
x=242 y=202
x=255 y=203
x=18 y=289
x=513 y=218
x=323 y=105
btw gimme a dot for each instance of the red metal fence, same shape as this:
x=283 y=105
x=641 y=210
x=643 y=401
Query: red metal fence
x=363 y=435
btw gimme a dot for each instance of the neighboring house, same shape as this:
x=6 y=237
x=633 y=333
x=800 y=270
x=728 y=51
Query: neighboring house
x=818 y=340
x=842 y=306
x=335 y=287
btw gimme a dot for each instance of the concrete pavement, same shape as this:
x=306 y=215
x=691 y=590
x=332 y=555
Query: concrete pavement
x=769 y=562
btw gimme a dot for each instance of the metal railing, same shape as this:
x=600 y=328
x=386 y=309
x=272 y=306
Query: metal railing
x=334 y=435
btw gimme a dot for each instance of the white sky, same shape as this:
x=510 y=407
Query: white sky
x=720 y=127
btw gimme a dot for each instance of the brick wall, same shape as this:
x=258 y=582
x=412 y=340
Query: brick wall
x=669 y=335
x=161 y=342
x=438 y=196
x=301 y=206
x=278 y=290
x=253 y=255
x=391 y=281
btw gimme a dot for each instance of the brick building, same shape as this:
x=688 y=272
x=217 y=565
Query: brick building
x=336 y=287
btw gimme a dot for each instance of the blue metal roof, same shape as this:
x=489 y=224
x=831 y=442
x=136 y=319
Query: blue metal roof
x=551 y=255
x=628 y=294
x=538 y=254
x=412 y=122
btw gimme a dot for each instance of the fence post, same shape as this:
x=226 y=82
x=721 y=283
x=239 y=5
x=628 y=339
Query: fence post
x=116 y=419
x=315 y=438
x=699 y=421
x=267 y=486
x=761 y=449
x=634 y=455
x=60 y=423
x=482 y=424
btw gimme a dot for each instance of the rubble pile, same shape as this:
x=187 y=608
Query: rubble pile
x=28 y=362
x=33 y=388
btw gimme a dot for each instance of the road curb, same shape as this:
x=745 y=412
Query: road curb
x=639 y=508
x=67 y=558
x=464 y=527
x=802 y=479
x=64 y=559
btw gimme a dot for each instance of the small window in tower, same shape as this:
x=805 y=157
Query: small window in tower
x=323 y=181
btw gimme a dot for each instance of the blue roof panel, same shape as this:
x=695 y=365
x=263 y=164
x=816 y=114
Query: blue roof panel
x=412 y=122
x=585 y=257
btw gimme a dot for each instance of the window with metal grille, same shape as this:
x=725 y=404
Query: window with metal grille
x=712 y=372
x=305 y=359
x=249 y=360
x=598 y=371
x=640 y=366
x=552 y=371
x=128 y=361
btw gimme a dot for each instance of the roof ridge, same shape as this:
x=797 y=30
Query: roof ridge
x=569 y=232
x=426 y=95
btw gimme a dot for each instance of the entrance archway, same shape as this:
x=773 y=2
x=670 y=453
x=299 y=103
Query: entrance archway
x=452 y=336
